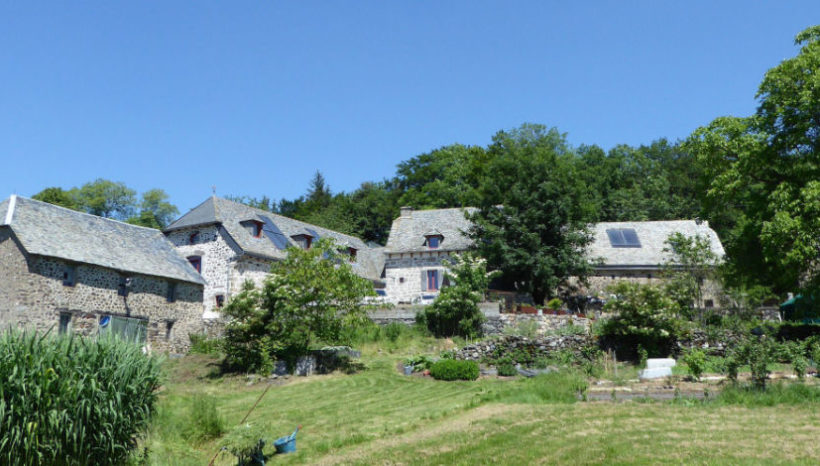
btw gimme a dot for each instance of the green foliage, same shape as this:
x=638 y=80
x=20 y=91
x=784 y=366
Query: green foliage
x=756 y=352
x=57 y=196
x=645 y=316
x=533 y=211
x=643 y=355
x=455 y=310
x=566 y=386
x=695 y=360
x=524 y=328
x=446 y=177
x=247 y=444
x=204 y=422
x=506 y=367
x=154 y=210
x=691 y=263
x=202 y=344
x=69 y=400
x=419 y=363
x=454 y=369
x=761 y=175
x=775 y=394
x=309 y=297
x=555 y=303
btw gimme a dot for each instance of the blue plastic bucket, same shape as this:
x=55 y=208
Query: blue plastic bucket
x=286 y=444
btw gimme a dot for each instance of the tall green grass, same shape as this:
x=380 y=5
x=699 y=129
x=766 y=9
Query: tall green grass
x=68 y=400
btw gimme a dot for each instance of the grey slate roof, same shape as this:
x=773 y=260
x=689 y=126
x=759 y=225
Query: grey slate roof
x=278 y=232
x=48 y=230
x=407 y=234
x=653 y=236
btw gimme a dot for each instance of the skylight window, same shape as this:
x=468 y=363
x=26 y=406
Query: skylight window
x=623 y=238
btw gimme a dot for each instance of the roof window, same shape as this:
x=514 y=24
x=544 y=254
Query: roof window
x=434 y=241
x=623 y=238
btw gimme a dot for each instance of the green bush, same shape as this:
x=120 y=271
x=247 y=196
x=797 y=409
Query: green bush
x=201 y=344
x=695 y=360
x=68 y=400
x=506 y=368
x=204 y=422
x=453 y=369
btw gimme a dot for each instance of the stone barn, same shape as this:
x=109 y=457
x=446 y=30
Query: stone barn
x=67 y=271
x=230 y=243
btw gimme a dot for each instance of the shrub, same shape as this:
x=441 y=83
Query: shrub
x=201 y=344
x=555 y=304
x=65 y=399
x=505 y=367
x=644 y=316
x=695 y=360
x=204 y=421
x=419 y=363
x=394 y=330
x=453 y=369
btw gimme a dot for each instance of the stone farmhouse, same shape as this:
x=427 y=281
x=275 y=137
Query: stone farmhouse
x=230 y=243
x=69 y=271
x=420 y=241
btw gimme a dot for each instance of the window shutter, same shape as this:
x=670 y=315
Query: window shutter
x=439 y=275
x=423 y=280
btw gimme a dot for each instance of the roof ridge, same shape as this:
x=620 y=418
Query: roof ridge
x=79 y=212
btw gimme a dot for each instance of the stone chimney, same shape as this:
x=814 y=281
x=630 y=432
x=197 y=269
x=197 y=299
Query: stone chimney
x=406 y=212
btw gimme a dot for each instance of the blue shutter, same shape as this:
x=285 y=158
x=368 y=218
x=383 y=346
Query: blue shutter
x=423 y=280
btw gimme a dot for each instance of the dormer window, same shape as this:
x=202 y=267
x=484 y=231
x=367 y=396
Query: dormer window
x=70 y=275
x=304 y=241
x=194 y=238
x=434 y=241
x=254 y=227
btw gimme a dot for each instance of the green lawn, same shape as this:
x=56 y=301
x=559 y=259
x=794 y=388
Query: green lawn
x=379 y=416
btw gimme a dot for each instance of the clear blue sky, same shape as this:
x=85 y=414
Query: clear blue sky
x=253 y=97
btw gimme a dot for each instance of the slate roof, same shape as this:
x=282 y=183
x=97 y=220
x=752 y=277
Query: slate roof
x=48 y=230
x=407 y=234
x=652 y=236
x=277 y=233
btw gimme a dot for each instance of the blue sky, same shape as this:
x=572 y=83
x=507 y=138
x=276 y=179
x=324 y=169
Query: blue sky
x=254 y=97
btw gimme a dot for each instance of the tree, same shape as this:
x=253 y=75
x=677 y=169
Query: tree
x=106 y=199
x=155 y=210
x=765 y=171
x=690 y=265
x=531 y=222
x=57 y=196
x=308 y=297
x=455 y=310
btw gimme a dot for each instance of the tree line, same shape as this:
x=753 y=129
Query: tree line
x=756 y=179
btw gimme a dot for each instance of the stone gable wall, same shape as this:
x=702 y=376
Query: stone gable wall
x=218 y=253
x=403 y=274
x=34 y=297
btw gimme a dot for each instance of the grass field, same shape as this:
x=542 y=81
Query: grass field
x=381 y=417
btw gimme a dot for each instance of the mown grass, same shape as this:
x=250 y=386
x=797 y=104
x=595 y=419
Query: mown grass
x=381 y=417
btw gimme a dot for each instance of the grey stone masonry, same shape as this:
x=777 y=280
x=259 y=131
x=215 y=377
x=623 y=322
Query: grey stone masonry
x=39 y=292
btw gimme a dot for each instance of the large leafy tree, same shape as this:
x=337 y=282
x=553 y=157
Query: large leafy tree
x=533 y=211
x=309 y=297
x=57 y=196
x=764 y=175
x=106 y=198
x=155 y=210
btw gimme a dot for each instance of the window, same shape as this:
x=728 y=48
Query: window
x=122 y=287
x=253 y=227
x=194 y=238
x=304 y=241
x=623 y=238
x=401 y=279
x=128 y=328
x=171 y=295
x=709 y=303
x=220 y=301
x=65 y=322
x=352 y=254
x=432 y=280
x=433 y=242
x=169 y=325
x=196 y=263
x=69 y=275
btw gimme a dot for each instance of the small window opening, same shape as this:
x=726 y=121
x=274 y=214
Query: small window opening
x=433 y=242
x=196 y=263
x=171 y=295
x=194 y=238
x=220 y=301
x=70 y=275
x=65 y=322
x=401 y=279
x=352 y=254
x=122 y=287
x=169 y=326
x=709 y=303
x=432 y=280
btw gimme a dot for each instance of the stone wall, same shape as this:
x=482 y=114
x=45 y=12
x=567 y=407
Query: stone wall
x=403 y=274
x=600 y=280
x=545 y=324
x=34 y=297
x=218 y=254
x=534 y=348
